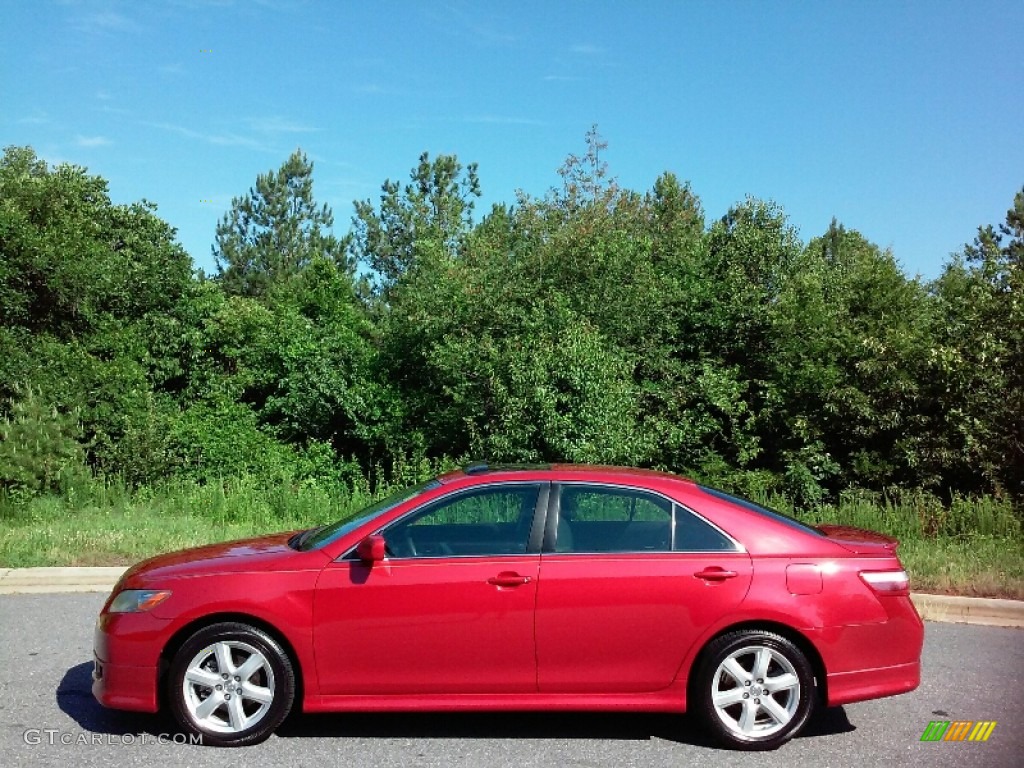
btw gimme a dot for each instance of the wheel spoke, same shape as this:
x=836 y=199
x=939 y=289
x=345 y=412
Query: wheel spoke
x=738 y=673
x=223 y=653
x=749 y=716
x=257 y=693
x=764 y=658
x=236 y=713
x=773 y=708
x=209 y=705
x=203 y=677
x=254 y=663
x=782 y=682
x=728 y=698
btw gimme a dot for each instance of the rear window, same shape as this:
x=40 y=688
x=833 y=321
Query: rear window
x=792 y=522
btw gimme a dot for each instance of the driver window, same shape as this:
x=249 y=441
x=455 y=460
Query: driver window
x=487 y=521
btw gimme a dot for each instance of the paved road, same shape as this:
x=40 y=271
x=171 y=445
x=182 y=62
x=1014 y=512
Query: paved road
x=971 y=673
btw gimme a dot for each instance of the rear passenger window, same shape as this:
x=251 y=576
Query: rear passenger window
x=595 y=519
x=599 y=519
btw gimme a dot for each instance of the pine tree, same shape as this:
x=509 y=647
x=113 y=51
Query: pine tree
x=275 y=231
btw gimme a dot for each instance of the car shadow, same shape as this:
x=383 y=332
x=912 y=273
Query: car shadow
x=828 y=722
x=627 y=726
x=75 y=699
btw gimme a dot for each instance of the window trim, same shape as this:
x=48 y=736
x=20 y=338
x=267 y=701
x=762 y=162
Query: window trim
x=555 y=510
x=536 y=526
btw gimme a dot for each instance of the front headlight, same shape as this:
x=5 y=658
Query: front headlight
x=138 y=600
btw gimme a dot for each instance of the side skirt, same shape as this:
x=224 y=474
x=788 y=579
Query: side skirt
x=669 y=700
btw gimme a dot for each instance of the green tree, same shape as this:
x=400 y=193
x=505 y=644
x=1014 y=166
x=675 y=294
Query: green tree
x=976 y=373
x=70 y=260
x=79 y=278
x=39 y=448
x=275 y=231
x=850 y=334
x=427 y=219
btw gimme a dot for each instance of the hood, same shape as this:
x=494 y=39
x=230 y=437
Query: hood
x=256 y=554
x=860 y=540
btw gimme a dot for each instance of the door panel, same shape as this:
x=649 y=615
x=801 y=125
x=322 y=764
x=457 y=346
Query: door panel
x=619 y=601
x=450 y=608
x=624 y=622
x=434 y=625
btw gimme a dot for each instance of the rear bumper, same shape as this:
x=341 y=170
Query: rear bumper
x=869 y=661
x=847 y=687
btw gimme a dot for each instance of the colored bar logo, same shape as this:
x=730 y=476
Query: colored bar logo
x=958 y=730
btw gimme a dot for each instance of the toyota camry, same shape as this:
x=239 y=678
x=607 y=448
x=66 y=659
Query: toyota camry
x=519 y=588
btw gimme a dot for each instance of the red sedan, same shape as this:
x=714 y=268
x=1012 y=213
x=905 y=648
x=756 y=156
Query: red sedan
x=534 y=588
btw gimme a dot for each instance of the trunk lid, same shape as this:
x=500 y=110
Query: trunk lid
x=860 y=540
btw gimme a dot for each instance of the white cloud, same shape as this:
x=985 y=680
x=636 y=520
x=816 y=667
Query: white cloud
x=278 y=124
x=372 y=88
x=92 y=141
x=219 y=139
x=38 y=118
x=503 y=120
x=105 y=22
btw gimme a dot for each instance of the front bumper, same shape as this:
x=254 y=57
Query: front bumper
x=123 y=687
x=126 y=660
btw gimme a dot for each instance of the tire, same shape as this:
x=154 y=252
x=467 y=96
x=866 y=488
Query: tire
x=753 y=690
x=223 y=708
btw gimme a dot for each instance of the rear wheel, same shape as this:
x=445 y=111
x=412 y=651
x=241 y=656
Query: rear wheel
x=232 y=684
x=754 y=690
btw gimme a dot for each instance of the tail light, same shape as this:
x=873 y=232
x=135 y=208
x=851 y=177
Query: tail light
x=894 y=582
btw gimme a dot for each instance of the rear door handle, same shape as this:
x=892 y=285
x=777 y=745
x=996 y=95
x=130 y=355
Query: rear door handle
x=715 y=574
x=508 y=579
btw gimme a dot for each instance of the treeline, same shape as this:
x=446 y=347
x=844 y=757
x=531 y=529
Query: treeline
x=593 y=324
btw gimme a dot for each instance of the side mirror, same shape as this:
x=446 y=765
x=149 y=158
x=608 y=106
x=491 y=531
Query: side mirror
x=371 y=549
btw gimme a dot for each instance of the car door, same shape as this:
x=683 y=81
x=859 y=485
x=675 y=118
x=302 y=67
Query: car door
x=628 y=581
x=449 y=609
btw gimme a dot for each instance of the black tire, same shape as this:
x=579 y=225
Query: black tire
x=273 y=682
x=753 y=722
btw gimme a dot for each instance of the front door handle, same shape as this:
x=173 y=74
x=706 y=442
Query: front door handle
x=508 y=579
x=715 y=574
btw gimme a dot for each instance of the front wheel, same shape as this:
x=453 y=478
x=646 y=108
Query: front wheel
x=754 y=690
x=231 y=684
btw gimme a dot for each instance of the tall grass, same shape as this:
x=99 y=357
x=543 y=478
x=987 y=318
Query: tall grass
x=106 y=522
x=913 y=515
x=971 y=546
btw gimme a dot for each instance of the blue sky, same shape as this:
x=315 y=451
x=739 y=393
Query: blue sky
x=902 y=119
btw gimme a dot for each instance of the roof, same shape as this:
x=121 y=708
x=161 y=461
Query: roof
x=482 y=468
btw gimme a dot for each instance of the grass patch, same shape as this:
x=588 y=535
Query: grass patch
x=109 y=525
x=972 y=547
x=980 y=567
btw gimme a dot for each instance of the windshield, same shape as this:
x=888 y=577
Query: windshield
x=762 y=510
x=319 y=537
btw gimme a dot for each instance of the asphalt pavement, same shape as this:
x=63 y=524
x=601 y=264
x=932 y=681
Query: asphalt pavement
x=49 y=717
